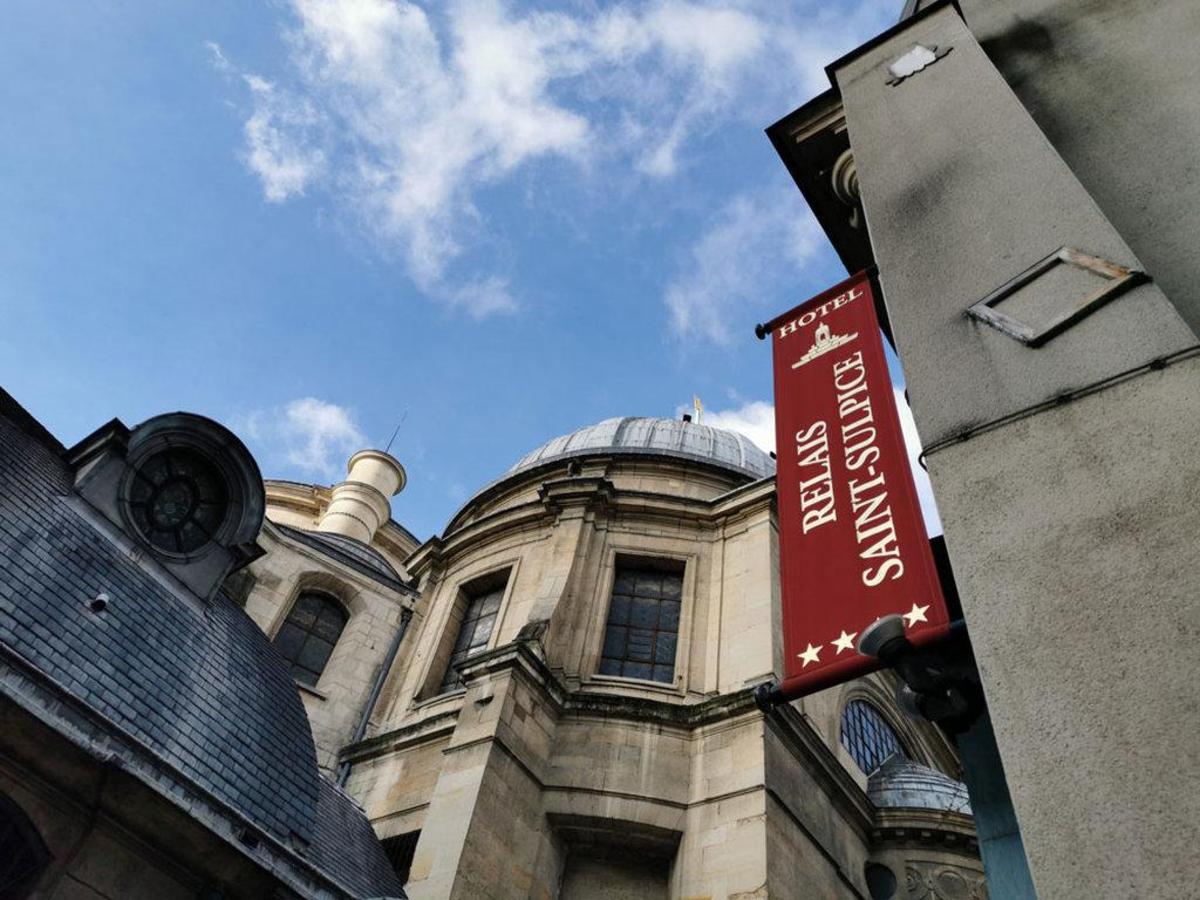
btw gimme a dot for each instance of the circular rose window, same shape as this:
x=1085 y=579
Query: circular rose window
x=177 y=500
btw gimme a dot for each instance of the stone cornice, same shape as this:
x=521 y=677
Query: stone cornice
x=436 y=726
x=911 y=827
x=599 y=462
x=590 y=492
x=595 y=493
x=436 y=552
x=523 y=656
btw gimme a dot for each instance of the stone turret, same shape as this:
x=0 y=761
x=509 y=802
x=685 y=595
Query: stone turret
x=361 y=503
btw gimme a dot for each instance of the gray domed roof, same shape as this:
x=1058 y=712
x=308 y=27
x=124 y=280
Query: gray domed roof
x=902 y=783
x=668 y=437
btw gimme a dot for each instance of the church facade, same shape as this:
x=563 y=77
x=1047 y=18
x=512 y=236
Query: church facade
x=569 y=711
x=215 y=686
x=553 y=698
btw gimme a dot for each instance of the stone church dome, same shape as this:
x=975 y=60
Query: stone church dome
x=666 y=437
x=903 y=783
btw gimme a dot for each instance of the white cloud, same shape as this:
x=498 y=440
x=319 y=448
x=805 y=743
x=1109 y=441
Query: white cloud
x=755 y=242
x=756 y=420
x=218 y=59
x=481 y=298
x=309 y=434
x=280 y=141
x=402 y=111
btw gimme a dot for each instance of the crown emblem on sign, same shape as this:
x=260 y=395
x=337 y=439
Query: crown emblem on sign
x=823 y=341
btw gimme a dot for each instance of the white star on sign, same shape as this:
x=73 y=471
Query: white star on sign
x=811 y=654
x=915 y=615
x=845 y=642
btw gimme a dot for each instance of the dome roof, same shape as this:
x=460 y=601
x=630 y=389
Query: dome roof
x=666 y=437
x=902 y=783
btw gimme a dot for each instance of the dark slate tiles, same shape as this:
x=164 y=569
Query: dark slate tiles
x=344 y=845
x=203 y=690
x=200 y=686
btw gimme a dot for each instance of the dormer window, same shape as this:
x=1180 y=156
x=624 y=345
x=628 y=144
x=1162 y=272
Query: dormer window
x=177 y=500
x=181 y=486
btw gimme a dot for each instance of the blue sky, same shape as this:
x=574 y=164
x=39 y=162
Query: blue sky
x=311 y=218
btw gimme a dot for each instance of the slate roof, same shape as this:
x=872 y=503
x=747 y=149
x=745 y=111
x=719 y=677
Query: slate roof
x=354 y=553
x=345 y=845
x=198 y=685
x=667 y=437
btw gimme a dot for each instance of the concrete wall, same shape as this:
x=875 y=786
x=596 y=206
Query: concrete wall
x=1070 y=525
x=1112 y=86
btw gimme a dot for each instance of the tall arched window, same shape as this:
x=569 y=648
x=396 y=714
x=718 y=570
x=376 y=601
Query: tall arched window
x=868 y=737
x=23 y=854
x=309 y=635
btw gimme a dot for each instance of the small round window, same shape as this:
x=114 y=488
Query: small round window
x=177 y=500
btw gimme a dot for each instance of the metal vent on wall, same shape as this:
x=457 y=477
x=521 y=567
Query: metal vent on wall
x=1053 y=294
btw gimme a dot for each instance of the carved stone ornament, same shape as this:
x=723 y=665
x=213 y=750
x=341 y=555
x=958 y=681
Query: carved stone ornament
x=936 y=881
x=915 y=60
x=844 y=178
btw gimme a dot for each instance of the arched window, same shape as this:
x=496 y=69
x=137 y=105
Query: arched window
x=309 y=635
x=23 y=855
x=868 y=736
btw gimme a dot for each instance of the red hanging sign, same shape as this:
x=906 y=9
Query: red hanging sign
x=852 y=542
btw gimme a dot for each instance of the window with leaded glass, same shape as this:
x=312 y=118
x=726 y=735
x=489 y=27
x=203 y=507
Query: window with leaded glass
x=643 y=623
x=479 y=618
x=178 y=500
x=308 y=636
x=868 y=737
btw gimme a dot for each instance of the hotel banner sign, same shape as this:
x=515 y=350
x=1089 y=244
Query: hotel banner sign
x=852 y=541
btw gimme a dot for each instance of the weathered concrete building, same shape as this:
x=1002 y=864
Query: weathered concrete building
x=1023 y=175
